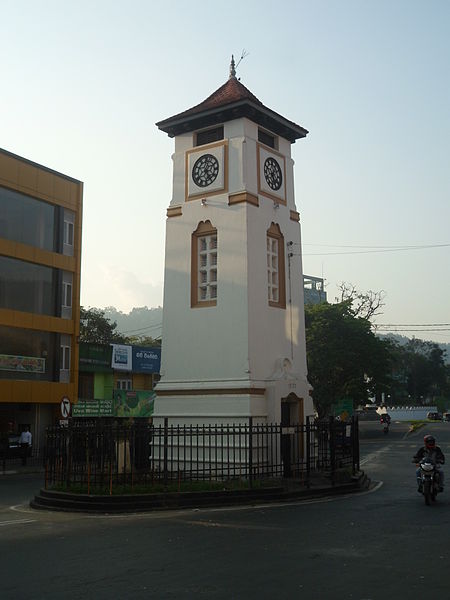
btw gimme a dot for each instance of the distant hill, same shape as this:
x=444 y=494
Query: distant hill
x=402 y=340
x=141 y=321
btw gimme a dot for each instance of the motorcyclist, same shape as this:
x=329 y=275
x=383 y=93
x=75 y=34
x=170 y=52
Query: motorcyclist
x=385 y=418
x=430 y=450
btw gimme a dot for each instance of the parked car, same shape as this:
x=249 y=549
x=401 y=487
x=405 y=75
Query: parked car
x=446 y=416
x=434 y=416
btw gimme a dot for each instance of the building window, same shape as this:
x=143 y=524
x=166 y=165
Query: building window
x=208 y=136
x=124 y=384
x=267 y=139
x=276 y=289
x=27 y=220
x=67 y=295
x=204 y=265
x=64 y=362
x=68 y=233
x=28 y=354
x=28 y=287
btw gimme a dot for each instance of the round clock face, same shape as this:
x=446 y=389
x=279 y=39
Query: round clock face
x=272 y=173
x=205 y=170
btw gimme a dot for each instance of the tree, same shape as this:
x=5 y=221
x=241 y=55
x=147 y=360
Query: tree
x=419 y=372
x=345 y=358
x=363 y=304
x=144 y=340
x=96 y=328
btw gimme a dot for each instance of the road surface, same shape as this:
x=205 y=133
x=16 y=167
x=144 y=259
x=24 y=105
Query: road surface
x=383 y=543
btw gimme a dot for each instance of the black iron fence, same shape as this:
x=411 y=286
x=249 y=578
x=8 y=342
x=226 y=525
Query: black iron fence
x=96 y=455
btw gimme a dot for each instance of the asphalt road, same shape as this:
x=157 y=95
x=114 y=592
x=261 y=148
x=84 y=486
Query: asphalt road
x=384 y=543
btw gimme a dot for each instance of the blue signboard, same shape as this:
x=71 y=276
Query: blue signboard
x=146 y=360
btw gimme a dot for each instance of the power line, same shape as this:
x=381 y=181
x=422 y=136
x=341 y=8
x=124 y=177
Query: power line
x=142 y=328
x=416 y=330
x=413 y=324
x=388 y=249
x=385 y=246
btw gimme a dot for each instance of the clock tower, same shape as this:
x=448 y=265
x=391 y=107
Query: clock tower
x=233 y=342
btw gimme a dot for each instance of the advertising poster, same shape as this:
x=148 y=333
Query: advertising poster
x=133 y=403
x=30 y=364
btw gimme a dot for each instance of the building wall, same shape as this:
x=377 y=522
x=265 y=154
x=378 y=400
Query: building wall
x=40 y=253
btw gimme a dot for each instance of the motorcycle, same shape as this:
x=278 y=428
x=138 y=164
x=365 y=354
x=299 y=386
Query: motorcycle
x=429 y=480
x=385 y=424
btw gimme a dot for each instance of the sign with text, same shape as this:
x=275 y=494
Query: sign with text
x=29 y=364
x=146 y=360
x=93 y=408
x=121 y=357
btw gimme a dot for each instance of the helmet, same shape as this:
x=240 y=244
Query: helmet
x=429 y=441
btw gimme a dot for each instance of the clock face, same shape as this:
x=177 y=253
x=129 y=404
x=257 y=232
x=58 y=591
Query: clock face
x=272 y=173
x=205 y=170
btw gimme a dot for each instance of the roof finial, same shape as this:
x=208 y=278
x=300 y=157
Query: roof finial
x=232 y=68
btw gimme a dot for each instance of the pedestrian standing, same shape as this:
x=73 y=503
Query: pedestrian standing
x=25 y=443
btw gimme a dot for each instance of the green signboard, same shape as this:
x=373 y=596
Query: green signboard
x=93 y=408
x=95 y=357
x=343 y=409
x=124 y=404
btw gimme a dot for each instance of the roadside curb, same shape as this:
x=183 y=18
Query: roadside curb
x=66 y=502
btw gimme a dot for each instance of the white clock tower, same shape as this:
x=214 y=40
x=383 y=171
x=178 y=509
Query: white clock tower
x=233 y=342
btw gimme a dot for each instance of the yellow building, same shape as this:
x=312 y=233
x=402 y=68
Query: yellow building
x=40 y=256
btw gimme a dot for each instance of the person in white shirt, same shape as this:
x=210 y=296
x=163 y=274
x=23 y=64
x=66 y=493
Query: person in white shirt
x=25 y=443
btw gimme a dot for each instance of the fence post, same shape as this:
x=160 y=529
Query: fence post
x=332 y=442
x=355 y=439
x=308 y=451
x=250 y=451
x=166 y=442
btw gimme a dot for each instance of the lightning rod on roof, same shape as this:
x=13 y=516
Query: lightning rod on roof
x=234 y=66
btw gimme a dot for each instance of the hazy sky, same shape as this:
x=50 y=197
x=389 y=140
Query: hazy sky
x=83 y=83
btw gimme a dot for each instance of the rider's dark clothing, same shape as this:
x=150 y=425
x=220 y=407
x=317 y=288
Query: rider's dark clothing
x=436 y=455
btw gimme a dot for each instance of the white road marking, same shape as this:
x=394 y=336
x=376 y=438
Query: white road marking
x=16 y=522
x=374 y=455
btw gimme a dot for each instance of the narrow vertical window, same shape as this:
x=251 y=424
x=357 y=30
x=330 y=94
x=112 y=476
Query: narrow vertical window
x=204 y=266
x=67 y=295
x=64 y=363
x=68 y=233
x=276 y=289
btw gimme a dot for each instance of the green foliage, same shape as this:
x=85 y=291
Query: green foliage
x=345 y=359
x=419 y=373
x=143 y=340
x=98 y=329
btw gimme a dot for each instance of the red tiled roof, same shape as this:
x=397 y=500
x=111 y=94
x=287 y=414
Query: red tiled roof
x=231 y=91
x=236 y=101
